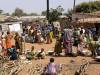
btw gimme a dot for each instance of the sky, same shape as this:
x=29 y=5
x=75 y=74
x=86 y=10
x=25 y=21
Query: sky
x=36 y=6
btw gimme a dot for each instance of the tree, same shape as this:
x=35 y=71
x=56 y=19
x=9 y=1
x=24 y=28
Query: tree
x=1 y=11
x=18 y=12
x=44 y=13
x=88 y=7
x=69 y=12
x=33 y=14
x=85 y=7
x=7 y=14
x=55 y=13
x=59 y=9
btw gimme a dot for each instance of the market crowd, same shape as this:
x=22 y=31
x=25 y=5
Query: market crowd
x=78 y=37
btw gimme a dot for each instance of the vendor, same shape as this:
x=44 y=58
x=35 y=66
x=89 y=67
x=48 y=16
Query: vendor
x=32 y=54
x=13 y=53
x=41 y=54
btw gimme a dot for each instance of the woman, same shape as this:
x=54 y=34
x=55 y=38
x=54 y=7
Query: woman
x=58 y=48
x=39 y=36
x=81 y=42
x=13 y=53
x=51 y=36
x=3 y=40
x=75 y=35
x=68 y=41
x=18 y=42
x=48 y=38
x=8 y=40
x=88 y=39
x=0 y=45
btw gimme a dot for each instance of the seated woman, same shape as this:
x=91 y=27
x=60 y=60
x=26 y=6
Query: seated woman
x=13 y=53
x=41 y=54
x=31 y=55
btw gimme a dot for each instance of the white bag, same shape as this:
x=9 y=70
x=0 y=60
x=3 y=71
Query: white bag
x=42 y=39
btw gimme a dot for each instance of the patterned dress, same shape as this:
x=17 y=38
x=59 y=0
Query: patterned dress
x=8 y=41
x=68 y=40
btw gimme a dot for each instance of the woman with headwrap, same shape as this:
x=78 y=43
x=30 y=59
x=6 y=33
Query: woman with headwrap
x=8 y=40
x=58 y=46
x=18 y=42
x=68 y=40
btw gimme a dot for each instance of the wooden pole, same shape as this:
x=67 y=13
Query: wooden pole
x=48 y=10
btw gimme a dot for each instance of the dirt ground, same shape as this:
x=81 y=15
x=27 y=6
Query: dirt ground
x=92 y=70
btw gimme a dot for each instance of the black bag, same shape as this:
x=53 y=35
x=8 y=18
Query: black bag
x=98 y=50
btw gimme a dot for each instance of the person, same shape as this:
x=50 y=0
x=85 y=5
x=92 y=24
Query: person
x=51 y=36
x=12 y=53
x=68 y=40
x=82 y=29
x=75 y=35
x=41 y=54
x=51 y=68
x=50 y=27
x=39 y=36
x=48 y=37
x=18 y=42
x=58 y=48
x=81 y=42
x=3 y=40
x=31 y=55
x=8 y=40
x=88 y=39
x=0 y=45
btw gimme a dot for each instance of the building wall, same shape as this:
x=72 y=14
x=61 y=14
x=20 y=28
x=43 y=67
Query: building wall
x=5 y=26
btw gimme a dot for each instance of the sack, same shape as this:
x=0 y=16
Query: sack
x=86 y=53
x=74 y=52
x=42 y=39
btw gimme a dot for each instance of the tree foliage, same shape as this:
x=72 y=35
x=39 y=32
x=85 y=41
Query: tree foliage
x=85 y=7
x=1 y=11
x=43 y=13
x=18 y=12
x=54 y=13
x=32 y=14
x=88 y=7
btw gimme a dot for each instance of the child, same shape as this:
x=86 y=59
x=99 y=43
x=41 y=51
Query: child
x=30 y=55
x=51 y=68
x=41 y=55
